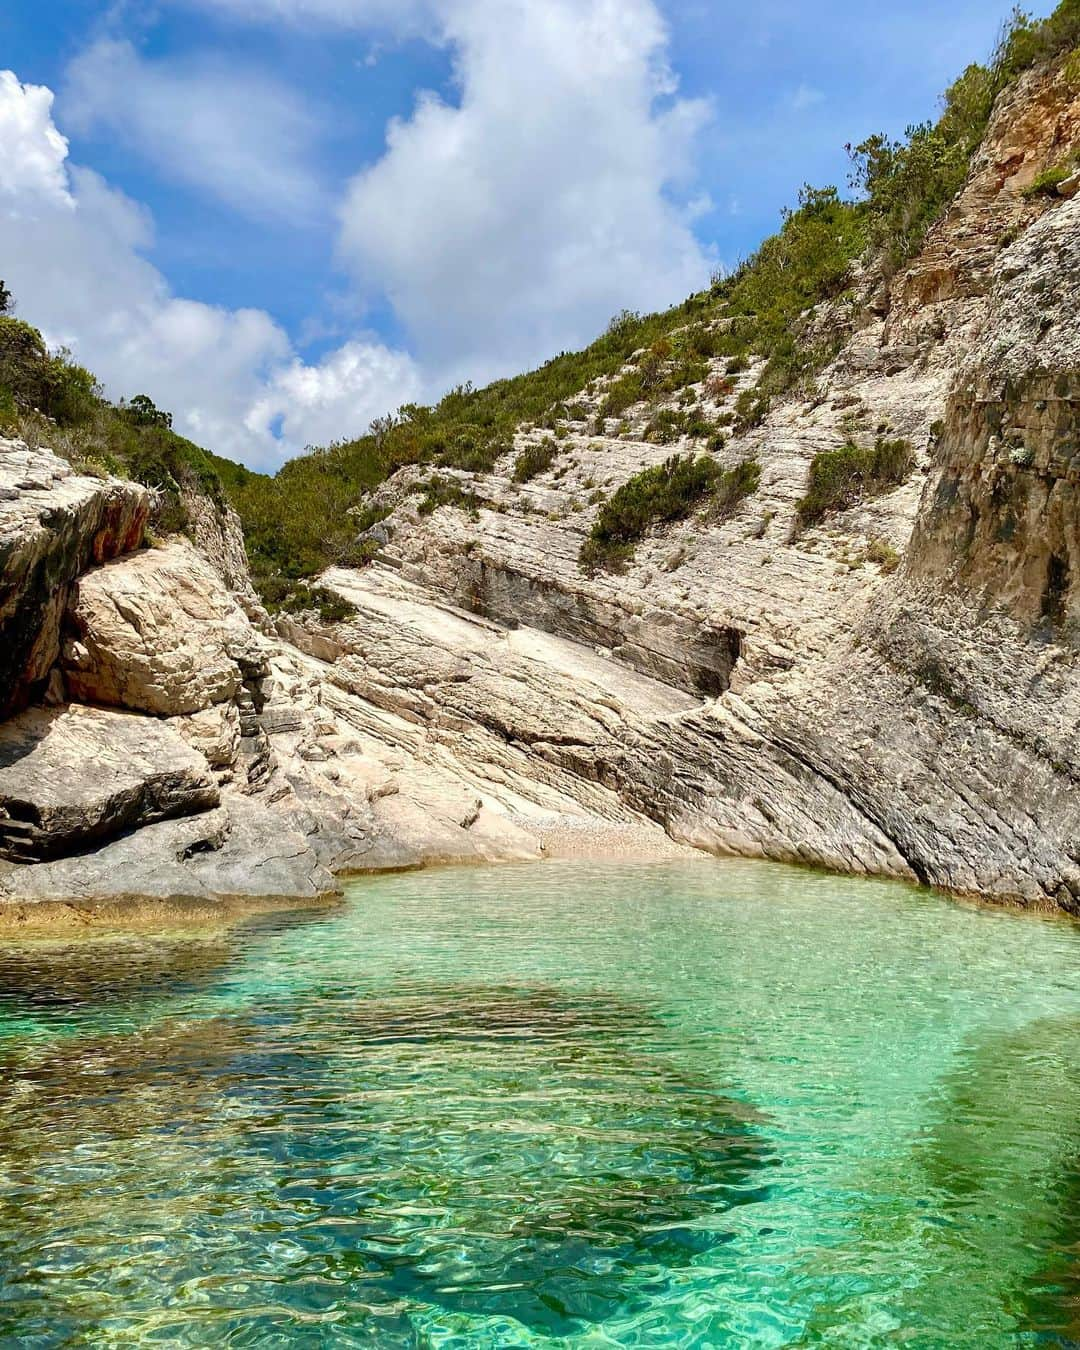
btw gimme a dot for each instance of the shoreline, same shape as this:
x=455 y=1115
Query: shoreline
x=562 y=838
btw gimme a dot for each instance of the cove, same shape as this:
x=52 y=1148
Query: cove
x=700 y=1104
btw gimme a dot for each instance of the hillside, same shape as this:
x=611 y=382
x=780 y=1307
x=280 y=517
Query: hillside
x=827 y=250
x=787 y=571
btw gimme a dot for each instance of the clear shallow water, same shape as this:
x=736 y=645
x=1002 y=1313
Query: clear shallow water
x=703 y=1104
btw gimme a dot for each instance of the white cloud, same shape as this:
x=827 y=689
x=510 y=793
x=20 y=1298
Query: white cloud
x=357 y=14
x=32 y=163
x=213 y=125
x=503 y=226
x=321 y=403
x=72 y=250
x=806 y=97
x=515 y=222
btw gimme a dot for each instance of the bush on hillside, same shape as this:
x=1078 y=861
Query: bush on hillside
x=1046 y=183
x=293 y=598
x=447 y=492
x=142 y=412
x=535 y=459
x=841 y=478
x=909 y=182
x=668 y=491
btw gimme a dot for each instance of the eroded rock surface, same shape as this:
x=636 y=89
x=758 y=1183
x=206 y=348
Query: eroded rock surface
x=158 y=632
x=894 y=690
x=54 y=524
x=74 y=777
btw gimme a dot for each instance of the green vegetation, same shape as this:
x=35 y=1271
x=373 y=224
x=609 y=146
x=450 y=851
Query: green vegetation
x=668 y=425
x=35 y=380
x=882 y=553
x=50 y=399
x=440 y=491
x=1046 y=184
x=668 y=491
x=808 y=261
x=303 y=518
x=751 y=407
x=535 y=459
x=909 y=183
x=293 y=598
x=841 y=478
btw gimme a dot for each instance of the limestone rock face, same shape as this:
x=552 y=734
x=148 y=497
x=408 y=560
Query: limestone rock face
x=893 y=691
x=158 y=632
x=918 y=720
x=74 y=777
x=238 y=852
x=219 y=538
x=1003 y=517
x=54 y=523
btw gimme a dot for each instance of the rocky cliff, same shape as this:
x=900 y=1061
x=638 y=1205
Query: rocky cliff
x=889 y=688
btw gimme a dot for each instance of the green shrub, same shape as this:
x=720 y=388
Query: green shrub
x=651 y=364
x=366 y=517
x=294 y=598
x=697 y=427
x=751 y=409
x=840 y=478
x=1028 y=41
x=142 y=412
x=9 y=412
x=535 y=459
x=664 y=427
x=467 y=448
x=686 y=372
x=734 y=486
x=668 y=491
x=22 y=361
x=622 y=394
x=69 y=394
x=881 y=552
x=909 y=183
x=51 y=383
x=447 y=492
x=1046 y=184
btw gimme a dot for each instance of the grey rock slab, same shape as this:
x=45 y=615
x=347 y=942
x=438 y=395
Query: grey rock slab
x=75 y=776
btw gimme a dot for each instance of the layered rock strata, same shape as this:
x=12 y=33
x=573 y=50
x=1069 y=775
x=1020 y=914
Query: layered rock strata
x=53 y=525
x=891 y=691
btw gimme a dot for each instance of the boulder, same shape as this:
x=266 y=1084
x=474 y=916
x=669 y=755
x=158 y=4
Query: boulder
x=54 y=523
x=240 y=851
x=158 y=632
x=73 y=777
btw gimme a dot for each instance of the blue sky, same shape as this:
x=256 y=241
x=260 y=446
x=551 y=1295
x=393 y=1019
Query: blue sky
x=283 y=217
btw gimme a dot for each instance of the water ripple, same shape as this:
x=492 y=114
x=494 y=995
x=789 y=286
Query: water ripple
x=689 y=1105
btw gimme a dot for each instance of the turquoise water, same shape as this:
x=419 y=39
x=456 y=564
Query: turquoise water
x=705 y=1104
